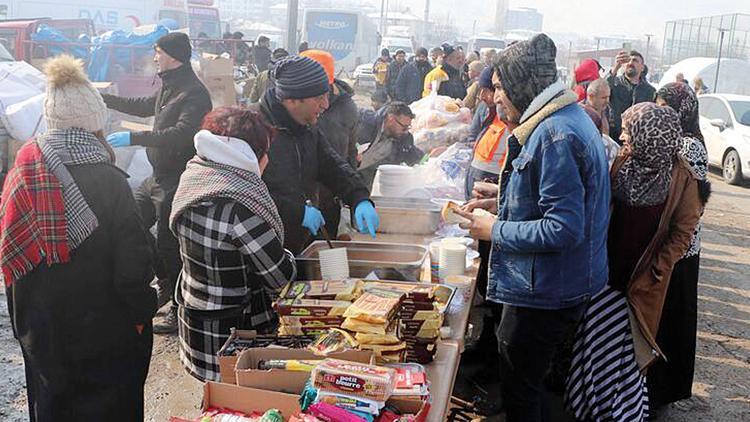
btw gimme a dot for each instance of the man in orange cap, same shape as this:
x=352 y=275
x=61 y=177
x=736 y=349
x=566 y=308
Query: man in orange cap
x=339 y=125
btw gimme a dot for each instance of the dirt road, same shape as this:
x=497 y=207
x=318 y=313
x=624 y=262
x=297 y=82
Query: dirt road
x=722 y=382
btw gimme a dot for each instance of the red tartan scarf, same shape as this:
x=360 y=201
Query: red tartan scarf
x=32 y=217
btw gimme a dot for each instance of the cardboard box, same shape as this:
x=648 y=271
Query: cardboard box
x=135 y=127
x=213 y=65
x=227 y=363
x=248 y=400
x=279 y=379
x=221 y=89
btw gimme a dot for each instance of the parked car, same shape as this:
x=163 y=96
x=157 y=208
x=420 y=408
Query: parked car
x=725 y=123
x=363 y=77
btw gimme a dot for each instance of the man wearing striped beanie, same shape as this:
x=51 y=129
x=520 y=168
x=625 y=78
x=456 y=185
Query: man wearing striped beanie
x=300 y=156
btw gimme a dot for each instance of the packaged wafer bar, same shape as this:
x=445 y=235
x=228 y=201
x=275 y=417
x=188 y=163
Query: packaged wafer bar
x=355 y=379
x=311 y=307
x=299 y=330
x=311 y=321
x=349 y=289
x=374 y=308
x=334 y=340
x=350 y=403
x=411 y=313
x=367 y=338
x=356 y=325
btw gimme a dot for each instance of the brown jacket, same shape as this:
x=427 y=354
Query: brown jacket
x=648 y=284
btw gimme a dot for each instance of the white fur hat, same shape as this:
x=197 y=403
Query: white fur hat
x=71 y=101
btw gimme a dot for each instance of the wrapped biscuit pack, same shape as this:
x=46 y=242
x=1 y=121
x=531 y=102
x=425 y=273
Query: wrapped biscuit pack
x=348 y=289
x=355 y=379
x=374 y=308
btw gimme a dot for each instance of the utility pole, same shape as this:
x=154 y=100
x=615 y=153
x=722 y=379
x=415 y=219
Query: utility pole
x=718 y=60
x=382 y=18
x=648 y=45
x=291 y=22
x=426 y=21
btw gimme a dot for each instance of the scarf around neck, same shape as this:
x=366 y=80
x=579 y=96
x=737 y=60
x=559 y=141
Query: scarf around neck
x=205 y=180
x=44 y=214
x=655 y=137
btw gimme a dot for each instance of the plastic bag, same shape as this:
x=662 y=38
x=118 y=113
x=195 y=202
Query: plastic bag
x=445 y=175
x=24 y=120
x=429 y=139
x=435 y=111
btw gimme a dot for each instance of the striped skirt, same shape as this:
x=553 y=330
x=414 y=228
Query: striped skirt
x=604 y=382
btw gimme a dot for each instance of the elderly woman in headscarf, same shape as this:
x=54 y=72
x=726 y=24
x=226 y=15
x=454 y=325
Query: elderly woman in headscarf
x=656 y=206
x=672 y=380
x=230 y=236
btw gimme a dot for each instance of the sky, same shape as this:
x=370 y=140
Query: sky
x=590 y=17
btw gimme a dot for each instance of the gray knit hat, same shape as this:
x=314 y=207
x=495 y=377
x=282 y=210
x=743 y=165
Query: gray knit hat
x=298 y=77
x=71 y=101
x=527 y=68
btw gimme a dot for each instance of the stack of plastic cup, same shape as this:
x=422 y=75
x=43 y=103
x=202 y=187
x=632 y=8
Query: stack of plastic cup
x=452 y=258
x=334 y=264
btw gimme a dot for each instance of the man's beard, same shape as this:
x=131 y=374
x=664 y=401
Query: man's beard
x=631 y=72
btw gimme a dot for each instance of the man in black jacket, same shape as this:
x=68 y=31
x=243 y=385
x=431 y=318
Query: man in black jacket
x=300 y=156
x=179 y=107
x=628 y=89
x=394 y=69
x=453 y=64
x=410 y=82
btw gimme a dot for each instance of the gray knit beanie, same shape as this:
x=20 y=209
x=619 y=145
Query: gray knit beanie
x=527 y=68
x=71 y=101
x=298 y=77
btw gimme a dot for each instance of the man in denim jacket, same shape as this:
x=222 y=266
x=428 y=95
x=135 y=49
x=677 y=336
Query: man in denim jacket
x=549 y=241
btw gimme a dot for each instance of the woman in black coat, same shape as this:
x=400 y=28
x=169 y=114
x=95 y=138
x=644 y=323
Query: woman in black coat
x=79 y=297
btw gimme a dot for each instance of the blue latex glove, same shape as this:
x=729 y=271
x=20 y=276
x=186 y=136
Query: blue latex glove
x=119 y=139
x=366 y=218
x=313 y=219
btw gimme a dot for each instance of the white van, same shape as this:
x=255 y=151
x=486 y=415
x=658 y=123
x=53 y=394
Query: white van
x=397 y=43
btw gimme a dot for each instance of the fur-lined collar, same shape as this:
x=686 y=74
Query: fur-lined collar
x=523 y=132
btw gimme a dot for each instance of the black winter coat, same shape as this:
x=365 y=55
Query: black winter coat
x=624 y=95
x=76 y=322
x=300 y=157
x=261 y=57
x=394 y=70
x=410 y=82
x=454 y=87
x=179 y=107
x=339 y=126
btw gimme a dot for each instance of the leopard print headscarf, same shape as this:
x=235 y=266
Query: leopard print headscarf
x=682 y=99
x=655 y=137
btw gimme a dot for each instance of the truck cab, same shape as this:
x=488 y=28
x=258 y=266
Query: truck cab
x=15 y=35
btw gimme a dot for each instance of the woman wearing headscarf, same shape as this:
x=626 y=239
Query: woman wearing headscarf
x=672 y=380
x=230 y=235
x=76 y=264
x=655 y=208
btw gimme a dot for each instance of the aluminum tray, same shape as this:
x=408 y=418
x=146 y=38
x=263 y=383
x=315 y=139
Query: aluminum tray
x=390 y=261
x=407 y=215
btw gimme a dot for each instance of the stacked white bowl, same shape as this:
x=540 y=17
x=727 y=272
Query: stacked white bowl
x=395 y=181
x=334 y=264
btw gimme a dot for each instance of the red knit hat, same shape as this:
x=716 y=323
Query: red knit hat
x=325 y=59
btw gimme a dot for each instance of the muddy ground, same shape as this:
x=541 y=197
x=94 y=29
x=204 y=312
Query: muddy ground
x=722 y=382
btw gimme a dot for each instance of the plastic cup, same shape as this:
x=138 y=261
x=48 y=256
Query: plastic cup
x=334 y=264
x=435 y=262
